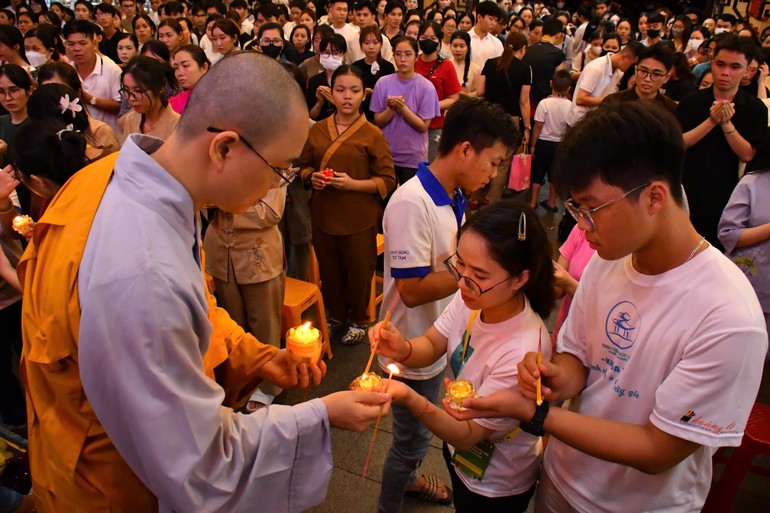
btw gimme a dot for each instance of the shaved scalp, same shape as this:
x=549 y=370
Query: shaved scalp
x=245 y=92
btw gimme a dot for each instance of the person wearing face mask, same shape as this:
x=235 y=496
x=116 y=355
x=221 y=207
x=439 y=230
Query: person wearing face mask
x=441 y=74
x=41 y=45
x=697 y=37
x=680 y=32
x=592 y=52
x=319 y=95
x=270 y=41
x=725 y=23
x=655 y=23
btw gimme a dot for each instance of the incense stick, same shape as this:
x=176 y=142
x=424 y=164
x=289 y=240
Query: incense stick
x=384 y=324
x=374 y=434
x=539 y=362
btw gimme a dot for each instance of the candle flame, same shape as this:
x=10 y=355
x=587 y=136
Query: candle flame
x=393 y=368
x=304 y=327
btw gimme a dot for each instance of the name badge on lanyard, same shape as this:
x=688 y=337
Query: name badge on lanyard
x=463 y=352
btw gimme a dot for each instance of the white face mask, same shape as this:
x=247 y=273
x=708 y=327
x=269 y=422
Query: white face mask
x=330 y=62
x=37 y=59
x=721 y=30
x=596 y=50
x=694 y=44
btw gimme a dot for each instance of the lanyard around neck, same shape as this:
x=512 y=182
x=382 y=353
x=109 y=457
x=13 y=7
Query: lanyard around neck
x=467 y=335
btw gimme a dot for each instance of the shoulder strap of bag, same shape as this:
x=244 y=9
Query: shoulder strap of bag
x=336 y=143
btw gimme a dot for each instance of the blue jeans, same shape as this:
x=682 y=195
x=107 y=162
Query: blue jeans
x=9 y=500
x=411 y=441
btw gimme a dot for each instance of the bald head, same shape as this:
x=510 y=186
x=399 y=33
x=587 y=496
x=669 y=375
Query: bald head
x=248 y=93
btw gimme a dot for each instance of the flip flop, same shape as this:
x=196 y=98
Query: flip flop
x=430 y=491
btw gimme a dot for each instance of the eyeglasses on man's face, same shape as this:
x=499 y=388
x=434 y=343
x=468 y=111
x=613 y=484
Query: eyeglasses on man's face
x=583 y=214
x=473 y=287
x=655 y=76
x=287 y=174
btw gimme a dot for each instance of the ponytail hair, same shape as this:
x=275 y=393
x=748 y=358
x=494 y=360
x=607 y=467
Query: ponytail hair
x=498 y=224
x=513 y=43
x=467 y=38
x=48 y=148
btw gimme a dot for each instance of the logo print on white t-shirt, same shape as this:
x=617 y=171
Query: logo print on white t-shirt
x=622 y=326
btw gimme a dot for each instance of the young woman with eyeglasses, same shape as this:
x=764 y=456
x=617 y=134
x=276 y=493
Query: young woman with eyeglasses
x=144 y=82
x=504 y=272
x=404 y=105
x=331 y=55
x=15 y=88
x=348 y=187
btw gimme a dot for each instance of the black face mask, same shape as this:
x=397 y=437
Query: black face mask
x=653 y=34
x=271 y=50
x=428 y=46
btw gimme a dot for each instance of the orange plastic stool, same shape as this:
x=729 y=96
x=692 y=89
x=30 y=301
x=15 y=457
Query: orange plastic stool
x=374 y=298
x=299 y=296
x=756 y=441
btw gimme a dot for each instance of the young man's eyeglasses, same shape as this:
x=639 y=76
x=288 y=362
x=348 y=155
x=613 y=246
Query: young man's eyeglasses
x=287 y=174
x=655 y=76
x=473 y=287
x=584 y=214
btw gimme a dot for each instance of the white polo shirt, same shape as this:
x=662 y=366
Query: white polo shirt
x=484 y=49
x=420 y=227
x=103 y=82
x=599 y=80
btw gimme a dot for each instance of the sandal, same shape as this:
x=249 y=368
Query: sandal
x=430 y=491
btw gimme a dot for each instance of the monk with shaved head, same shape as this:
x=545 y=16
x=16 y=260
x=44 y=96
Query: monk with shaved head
x=129 y=366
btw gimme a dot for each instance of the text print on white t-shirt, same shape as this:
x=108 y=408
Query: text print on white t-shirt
x=622 y=329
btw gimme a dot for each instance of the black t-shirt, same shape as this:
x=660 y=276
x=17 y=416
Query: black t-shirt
x=109 y=47
x=678 y=90
x=711 y=167
x=312 y=86
x=506 y=90
x=543 y=58
x=386 y=68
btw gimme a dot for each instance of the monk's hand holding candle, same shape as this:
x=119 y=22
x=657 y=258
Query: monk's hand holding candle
x=356 y=410
x=284 y=371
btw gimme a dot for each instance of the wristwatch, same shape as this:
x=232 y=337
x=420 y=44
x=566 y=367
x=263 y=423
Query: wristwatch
x=535 y=426
x=92 y=101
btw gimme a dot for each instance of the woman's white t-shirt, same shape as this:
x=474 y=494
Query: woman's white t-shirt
x=495 y=350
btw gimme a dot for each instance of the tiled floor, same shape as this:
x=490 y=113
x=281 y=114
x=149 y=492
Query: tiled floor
x=349 y=493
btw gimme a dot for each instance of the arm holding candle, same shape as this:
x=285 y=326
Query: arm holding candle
x=418 y=352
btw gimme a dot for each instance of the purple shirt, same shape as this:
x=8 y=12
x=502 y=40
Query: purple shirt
x=408 y=146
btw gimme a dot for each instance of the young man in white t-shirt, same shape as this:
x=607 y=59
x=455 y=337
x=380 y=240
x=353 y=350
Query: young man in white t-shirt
x=599 y=78
x=420 y=225
x=663 y=349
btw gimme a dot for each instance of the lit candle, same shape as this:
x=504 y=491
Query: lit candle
x=367 y=381
x=304 y=344
x=458 y=391
x=23 y=225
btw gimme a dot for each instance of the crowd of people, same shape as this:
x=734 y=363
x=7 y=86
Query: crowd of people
x=165 y=168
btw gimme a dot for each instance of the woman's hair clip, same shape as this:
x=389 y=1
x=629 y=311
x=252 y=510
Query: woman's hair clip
x=65 y=104
x=522 y=227
x=68 y=128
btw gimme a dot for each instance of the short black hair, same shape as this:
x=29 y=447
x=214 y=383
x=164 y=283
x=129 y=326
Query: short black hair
x=660 y=53
x=174 y=8
x=270 y=25
x=365 y=4
x=729 y=18
x=742 y=45
x=478 y=121
x=267 y=10
x=656 y=17
x=561 y=81
x=624 y=144
x=633 y=47
x=239 y=4
x=487 y=9
x=336 y=41
x=395 y=4
x=552 y=26
x=84 y=27
x=216 y=4
x=106 y=8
